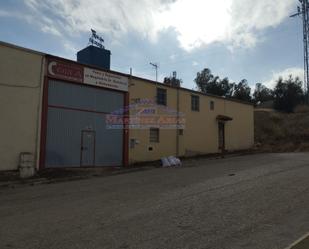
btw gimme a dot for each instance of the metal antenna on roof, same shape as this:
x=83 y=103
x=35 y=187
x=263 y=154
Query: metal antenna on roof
x=174 y=74
x=155 y=65
x=303 y=11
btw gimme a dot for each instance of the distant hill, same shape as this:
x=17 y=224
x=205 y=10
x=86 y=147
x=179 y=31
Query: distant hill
x=281 y=132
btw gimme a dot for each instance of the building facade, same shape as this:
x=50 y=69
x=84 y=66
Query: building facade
x=211 y=124
x=22 y=74
x=68 y=114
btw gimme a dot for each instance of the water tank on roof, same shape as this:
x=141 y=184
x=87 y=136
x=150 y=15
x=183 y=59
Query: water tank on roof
x=95 y=56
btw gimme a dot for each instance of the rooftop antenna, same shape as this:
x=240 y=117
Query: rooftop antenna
x=96 y=39
x=174 y=74
x=155 y=65
x=303 y=11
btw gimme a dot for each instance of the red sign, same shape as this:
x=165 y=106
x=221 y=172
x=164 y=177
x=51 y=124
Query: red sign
x=66 y=71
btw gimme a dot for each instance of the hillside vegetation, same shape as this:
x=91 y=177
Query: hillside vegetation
x=282 y=132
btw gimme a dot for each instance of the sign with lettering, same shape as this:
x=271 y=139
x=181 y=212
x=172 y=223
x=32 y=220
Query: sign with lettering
x=66 y=71
x=85 y=75
x=105 y=79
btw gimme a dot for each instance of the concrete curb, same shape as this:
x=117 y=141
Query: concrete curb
x=44 y=180
x=38 y=181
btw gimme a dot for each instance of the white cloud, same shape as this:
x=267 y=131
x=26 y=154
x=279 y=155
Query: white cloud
x=4 y=13
x=16 y=14
x=195 y=63
x=196 y=22
x=173 y=57
x=51 y=30
x=114 y=17
x=235 y=22
x=294 y=71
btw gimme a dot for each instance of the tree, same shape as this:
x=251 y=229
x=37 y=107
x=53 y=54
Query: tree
x=204 y=78
x=172 y=81
x=226 y=87
x=242 y=91
x=262 y=93
x=287 y=94
x=208 y=83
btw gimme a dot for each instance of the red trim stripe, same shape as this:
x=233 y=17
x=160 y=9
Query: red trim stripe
x=126 y=132
x=44 y=124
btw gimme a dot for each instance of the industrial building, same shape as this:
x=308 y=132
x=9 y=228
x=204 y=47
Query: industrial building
x=64 y=113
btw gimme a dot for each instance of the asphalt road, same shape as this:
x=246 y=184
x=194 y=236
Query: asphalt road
x=256 y=201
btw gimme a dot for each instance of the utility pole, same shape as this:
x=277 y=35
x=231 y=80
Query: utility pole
x=177 y=105
x=155 y=65
x=303 y=11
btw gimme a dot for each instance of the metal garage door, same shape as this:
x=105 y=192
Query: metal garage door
x=76 y=129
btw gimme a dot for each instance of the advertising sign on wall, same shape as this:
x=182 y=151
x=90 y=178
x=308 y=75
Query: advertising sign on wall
x=89 y=76
x=66 y=71
x=105 y=79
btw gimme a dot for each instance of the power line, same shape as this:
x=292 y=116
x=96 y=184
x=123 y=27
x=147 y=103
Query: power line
x=303 y=11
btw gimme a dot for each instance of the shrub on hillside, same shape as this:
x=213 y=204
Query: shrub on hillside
x=288 y=94
x=301 y=109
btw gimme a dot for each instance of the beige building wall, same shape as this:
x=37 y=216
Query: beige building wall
x=142 y=90
x=200 y=135
x=20 y=98
x=21 y=77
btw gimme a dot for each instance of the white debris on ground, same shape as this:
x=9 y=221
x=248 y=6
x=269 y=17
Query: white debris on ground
x=170 y=161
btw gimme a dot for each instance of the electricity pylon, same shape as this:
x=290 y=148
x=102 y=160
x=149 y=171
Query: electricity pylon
x=303 y=11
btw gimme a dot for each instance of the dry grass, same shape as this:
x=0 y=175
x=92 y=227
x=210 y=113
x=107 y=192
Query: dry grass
x=281 y=132
x=301 y=109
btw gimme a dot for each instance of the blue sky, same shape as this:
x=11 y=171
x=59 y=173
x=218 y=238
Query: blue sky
x=238 y=39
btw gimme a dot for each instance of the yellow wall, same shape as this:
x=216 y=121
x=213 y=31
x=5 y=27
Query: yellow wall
x=201 y=130
x=20 y=91
x=21 y=76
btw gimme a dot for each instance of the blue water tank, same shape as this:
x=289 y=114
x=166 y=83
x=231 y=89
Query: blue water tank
x=95 y=56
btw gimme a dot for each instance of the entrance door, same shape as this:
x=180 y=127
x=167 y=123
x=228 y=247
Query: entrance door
x=221 y=136
x=88 y=148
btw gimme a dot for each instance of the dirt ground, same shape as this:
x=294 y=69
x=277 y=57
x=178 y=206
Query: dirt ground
x=256 y=201
x=12 y=179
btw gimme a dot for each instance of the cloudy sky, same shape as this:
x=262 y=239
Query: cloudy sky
x=255 y=40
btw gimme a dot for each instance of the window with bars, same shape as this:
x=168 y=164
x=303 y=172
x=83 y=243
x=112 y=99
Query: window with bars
x=154 y=135
x=161 y=96
x=195 y=103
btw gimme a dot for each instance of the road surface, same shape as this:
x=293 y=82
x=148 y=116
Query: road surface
x=255 y=201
